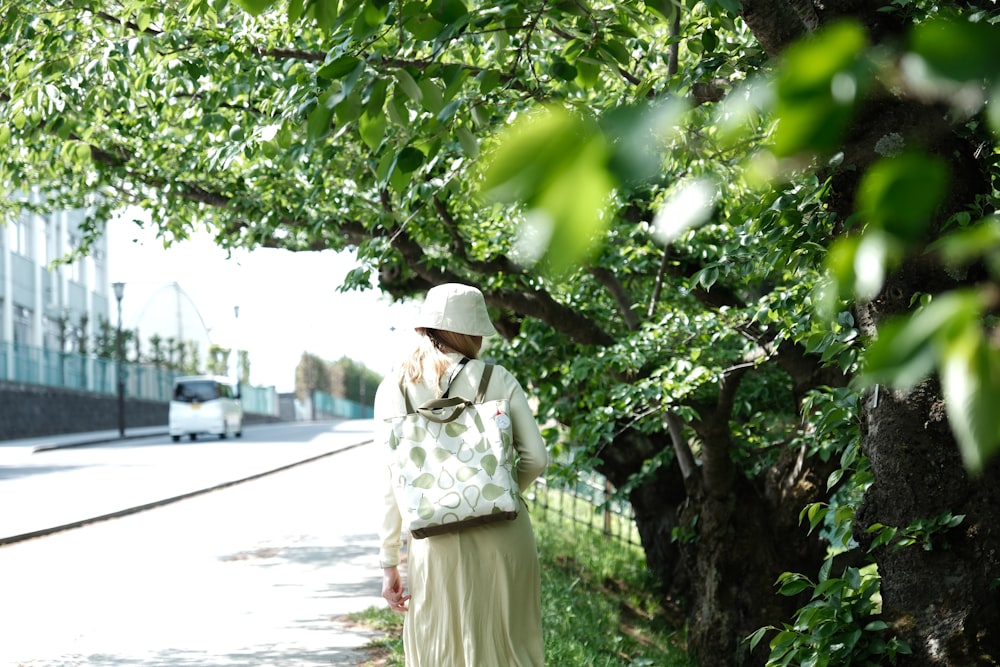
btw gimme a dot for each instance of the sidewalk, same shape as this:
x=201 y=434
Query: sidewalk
x=261 y=573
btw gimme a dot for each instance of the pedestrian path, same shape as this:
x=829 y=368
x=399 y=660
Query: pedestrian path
x=259 y=574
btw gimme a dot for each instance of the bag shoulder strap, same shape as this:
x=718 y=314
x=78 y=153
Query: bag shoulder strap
x=484 y=383
x=454 y=374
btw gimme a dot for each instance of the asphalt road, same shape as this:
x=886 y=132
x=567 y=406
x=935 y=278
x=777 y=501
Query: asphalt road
x=254 y=573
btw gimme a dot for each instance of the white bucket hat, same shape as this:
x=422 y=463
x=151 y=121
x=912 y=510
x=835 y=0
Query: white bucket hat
x=457 y=308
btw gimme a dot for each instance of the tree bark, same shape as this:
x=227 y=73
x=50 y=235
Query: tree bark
x=942 y=597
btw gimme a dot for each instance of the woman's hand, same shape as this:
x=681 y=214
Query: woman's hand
x=392 y=589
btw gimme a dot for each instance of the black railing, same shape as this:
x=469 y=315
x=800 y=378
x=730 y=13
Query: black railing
x=588 y=503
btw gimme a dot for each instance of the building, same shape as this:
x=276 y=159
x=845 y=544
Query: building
x=55 y=314
x=46 y=306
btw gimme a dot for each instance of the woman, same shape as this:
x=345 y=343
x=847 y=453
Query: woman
x=474 y=594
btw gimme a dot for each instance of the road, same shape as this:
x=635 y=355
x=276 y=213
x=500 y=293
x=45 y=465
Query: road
x=256 y=573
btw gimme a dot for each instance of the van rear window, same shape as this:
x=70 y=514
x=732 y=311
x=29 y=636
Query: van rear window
x=197 y=391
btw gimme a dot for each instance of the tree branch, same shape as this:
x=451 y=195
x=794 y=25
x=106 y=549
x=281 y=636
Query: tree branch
x=685 y=458
x=621 y=297
x=718 y=471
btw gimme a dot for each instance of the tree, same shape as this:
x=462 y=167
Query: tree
x=190 y=365
x=157 y=355
x=685 y=355
x=311 y=374
x=218 y=360
x=243 y=366
x=104 y=340
x=354 y=381
x=81 y=334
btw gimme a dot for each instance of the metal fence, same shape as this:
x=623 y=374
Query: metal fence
x=42 y=366
x=589 y=503
x=326 y=407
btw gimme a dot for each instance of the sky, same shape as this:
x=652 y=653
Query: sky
x=288 y=302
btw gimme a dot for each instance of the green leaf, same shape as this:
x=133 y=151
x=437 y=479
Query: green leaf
x=385 y=168
x=372 y=129
x=397 y=110
x=901 y=194
x=907 y=349
x=964 y=246
x=794 y=587
x=970 y=382
x=409 y=85
x=555 y=162
x=254 y=7
x=324 y=12
x=319 y=121
x=349 y=108
x=709 y=40
x=339 y=68
x=488 y=80
x=755 y=638
x=470 y=146
x=958 y=50
x=563 y=70
x=432 y=97
x=424 y=28
x=448 y=11
x=409 y=159
x=818 y=85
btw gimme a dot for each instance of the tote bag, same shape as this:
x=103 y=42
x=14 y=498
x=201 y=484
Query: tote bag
x=452 y=462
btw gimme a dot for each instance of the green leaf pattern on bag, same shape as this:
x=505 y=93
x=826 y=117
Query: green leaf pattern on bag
x=424 y=481
x=450 y=472
x=489 y=463
x=454 y=429
x=418 y=455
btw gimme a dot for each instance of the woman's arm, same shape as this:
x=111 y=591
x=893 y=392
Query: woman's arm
x=528 y=441
x=392 y=521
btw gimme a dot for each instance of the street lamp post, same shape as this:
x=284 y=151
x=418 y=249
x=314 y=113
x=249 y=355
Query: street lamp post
x=119 y=293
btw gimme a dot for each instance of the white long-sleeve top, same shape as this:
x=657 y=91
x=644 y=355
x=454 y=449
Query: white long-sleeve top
x=532 y=456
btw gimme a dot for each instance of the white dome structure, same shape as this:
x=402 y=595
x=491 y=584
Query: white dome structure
x=171 y=314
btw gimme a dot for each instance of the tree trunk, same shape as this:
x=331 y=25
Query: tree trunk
x=941 y=597
x=720 y=568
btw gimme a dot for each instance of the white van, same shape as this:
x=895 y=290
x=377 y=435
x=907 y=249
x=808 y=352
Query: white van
x=205 y=404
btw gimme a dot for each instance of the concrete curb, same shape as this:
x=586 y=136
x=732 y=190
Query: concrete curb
x=97 y=441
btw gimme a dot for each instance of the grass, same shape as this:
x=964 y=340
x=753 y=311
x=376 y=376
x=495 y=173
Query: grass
x=599 y=607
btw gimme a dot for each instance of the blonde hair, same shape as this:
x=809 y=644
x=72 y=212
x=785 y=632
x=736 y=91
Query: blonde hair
x=431 y=354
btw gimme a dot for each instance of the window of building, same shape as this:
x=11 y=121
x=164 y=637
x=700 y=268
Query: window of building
x=52 y=340
x=76 y=269
x=19 y=234
x=51 y=239
x=22 y=325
